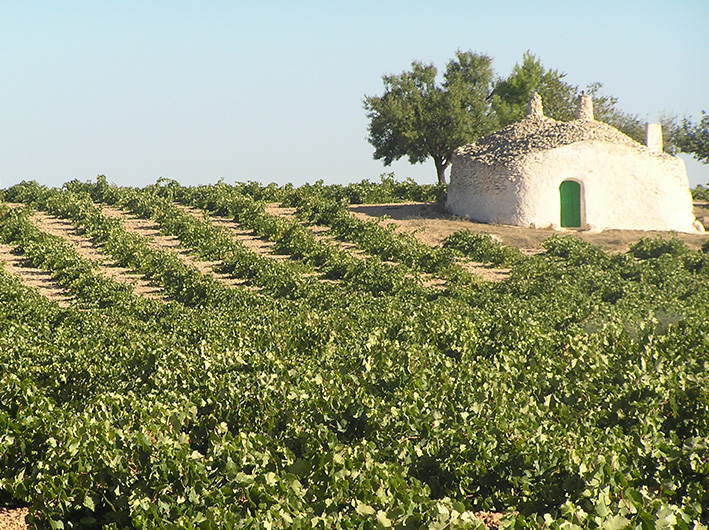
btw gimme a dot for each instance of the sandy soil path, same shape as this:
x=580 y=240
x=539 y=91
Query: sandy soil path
x=244 y=236
x=13 y=518
x=264 y=246
x=16 y=264
x=40 y=279
x=88 y=249
x=151 y=230
x=323 y=233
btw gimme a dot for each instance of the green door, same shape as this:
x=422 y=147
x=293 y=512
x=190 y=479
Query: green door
x=570 y=193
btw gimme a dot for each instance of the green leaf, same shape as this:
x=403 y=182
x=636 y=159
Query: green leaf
x=615 y=523
x=382 y=520
x=89 y=503
x=364 y=509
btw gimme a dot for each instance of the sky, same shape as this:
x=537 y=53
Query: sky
x=271 y=91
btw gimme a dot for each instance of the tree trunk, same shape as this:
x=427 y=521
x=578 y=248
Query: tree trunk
x=440 y=169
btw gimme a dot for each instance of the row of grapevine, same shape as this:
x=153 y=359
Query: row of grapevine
x=572 y=395
x=376 y=239
x=370 y=275
x=482 y=248
x=387 y=190
x=184 y=283
x=78 y=276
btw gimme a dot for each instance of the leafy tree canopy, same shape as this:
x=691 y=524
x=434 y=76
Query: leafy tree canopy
x=418 y=118
x=512 y=94
x=693 y=138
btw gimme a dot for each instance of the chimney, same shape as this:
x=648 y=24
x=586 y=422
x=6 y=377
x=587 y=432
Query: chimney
x=653 y=137
x=535 y=109
x=584 y=107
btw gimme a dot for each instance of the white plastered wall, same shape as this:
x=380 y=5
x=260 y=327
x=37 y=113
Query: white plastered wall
x=622 y=188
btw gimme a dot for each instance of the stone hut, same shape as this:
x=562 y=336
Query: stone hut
x=581 y=174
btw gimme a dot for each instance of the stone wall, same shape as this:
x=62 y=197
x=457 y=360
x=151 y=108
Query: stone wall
x=513 y=176
x=482 y=193
x=620 y=190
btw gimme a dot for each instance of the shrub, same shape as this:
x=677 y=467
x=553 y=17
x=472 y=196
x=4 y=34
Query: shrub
x=647 y=248
x=482 y=247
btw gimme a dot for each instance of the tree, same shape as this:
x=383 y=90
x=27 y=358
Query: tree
x=605 y=109
x=512 y=95
x=418 y=118
x=693 y=138
x=559 y=98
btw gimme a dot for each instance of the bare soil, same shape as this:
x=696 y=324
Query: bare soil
x=431 y=225
x=321 y=233
x=87 y=248
x=151 y=230
x=13 y=518
x=245 y=237
x=32 y=277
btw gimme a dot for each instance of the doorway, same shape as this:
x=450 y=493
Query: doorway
x=570 y=196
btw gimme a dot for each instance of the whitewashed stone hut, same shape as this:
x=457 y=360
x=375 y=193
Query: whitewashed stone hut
x=581 y=174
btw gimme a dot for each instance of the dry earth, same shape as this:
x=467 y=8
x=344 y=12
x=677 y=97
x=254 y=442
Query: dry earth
x=245 y=237
x=425 y=220
x=85 y=247
x=13 y=518
x=151 y=230
x=432 y=226
x=31 y=276
x=14 y=263
x=88 y=249
x=321 y=233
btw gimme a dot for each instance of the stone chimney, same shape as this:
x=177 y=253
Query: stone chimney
x=653 y=137
x=535 y=109
x=584 y=107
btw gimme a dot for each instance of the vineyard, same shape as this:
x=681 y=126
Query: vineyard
x=250 y=356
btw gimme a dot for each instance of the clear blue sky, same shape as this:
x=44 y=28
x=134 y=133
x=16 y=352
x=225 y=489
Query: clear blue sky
x=272 y=91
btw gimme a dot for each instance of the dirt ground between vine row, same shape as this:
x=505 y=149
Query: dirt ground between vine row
x=432 y=225
x=13 y=518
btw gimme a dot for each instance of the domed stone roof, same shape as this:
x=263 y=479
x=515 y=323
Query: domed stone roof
x=537 y=132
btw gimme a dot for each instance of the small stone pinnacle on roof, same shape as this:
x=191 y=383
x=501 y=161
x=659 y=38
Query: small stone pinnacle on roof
x=535 y=109
x=584 y=107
